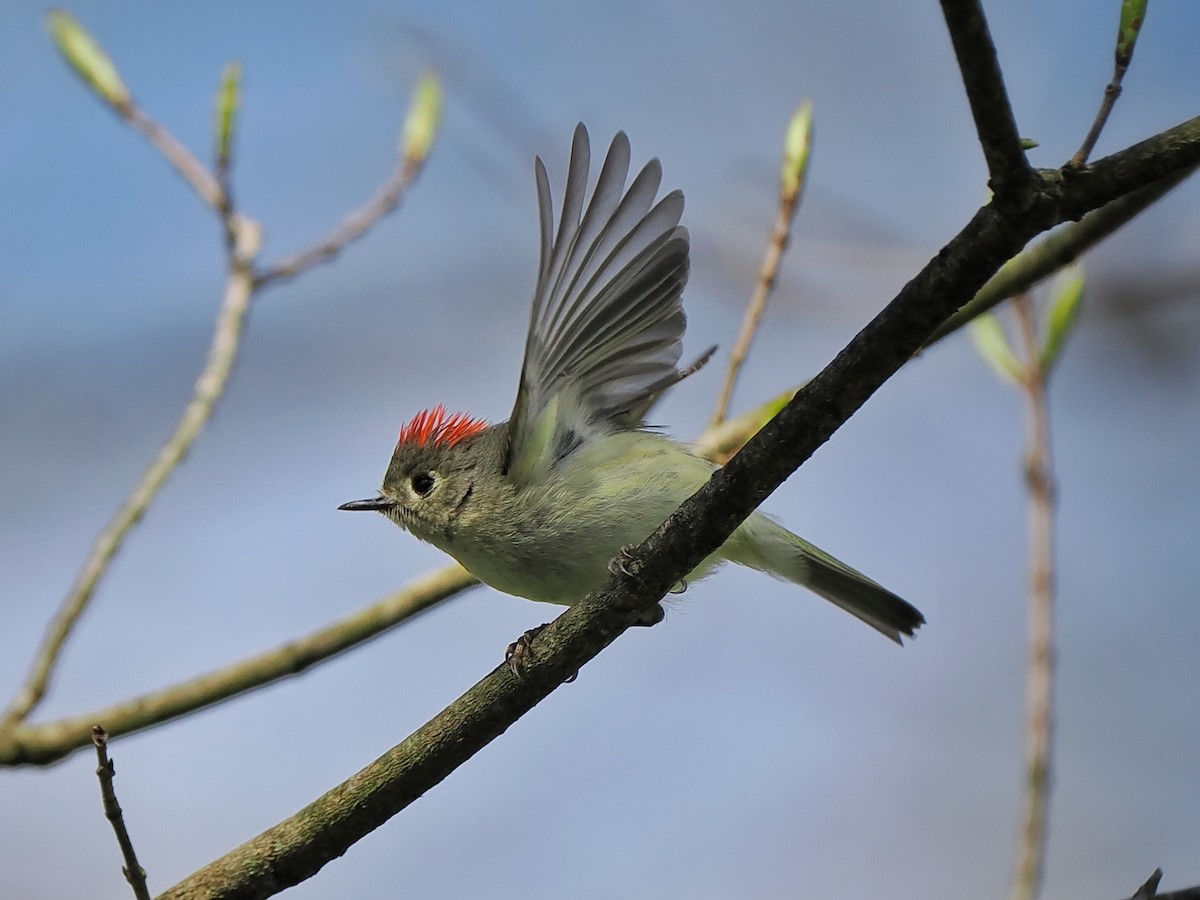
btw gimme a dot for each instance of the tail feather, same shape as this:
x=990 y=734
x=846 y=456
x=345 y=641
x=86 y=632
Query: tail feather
x=766 y=545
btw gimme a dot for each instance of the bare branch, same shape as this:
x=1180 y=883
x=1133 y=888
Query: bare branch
x=106 y=772
x=1132 y=16
x=1009 y=170
x=386 y=199
x=194 y=172
x=1039 y=476
x=49 y=742
x=243 y=240
x=795 y=170
x=222 y=356
x=1056 y=251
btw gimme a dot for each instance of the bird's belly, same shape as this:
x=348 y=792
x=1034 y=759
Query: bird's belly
x=548 y=574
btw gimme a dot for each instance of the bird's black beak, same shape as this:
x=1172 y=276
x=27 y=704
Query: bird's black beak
x=374 y=504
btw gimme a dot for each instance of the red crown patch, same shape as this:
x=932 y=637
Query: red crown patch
x=434 y=426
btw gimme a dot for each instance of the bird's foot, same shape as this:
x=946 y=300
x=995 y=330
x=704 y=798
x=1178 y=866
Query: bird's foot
x=680 y=587
x=621 y=562
x=522 y=647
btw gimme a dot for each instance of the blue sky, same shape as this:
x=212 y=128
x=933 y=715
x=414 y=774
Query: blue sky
x=758 y=744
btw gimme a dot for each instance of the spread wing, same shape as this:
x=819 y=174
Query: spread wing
x=607 y=326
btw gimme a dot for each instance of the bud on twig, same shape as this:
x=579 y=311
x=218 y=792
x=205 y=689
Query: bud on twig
x=992 y=343
x=1133 y=13
x=88 y=59
x=796 y=147
x=229 y=102
x=424 y=117
x=1061 y=315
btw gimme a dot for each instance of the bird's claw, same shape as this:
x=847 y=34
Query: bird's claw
x=620 y=562
x=680 y=587
x=515 y=655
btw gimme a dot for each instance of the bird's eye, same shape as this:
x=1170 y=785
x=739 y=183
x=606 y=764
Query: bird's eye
x=422 y=483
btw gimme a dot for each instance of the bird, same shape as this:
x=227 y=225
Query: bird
x=540 y=506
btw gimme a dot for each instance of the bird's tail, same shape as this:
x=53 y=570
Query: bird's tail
x=764 y=544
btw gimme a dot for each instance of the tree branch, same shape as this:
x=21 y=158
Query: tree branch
x=106 y=772
x=386 y=199
x=1056 y=251
x=1009 y=170
x=52 y=741
x=222 y=356
x=296 y=848
x=1039 y=729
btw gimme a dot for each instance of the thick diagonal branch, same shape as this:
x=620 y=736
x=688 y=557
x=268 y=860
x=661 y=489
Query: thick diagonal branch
x=295 y=849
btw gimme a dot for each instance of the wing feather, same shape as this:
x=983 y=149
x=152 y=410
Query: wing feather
x=606 y=329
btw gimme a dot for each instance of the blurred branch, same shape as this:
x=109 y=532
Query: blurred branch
x=420 y=129
x=386 y=199
x=1039 y=476
x=243 y=242
x=296 y=848
x=791 y=187
x=209 y=387
x=1010 y=173
x=194 y=172
x=1031 y=373
x=49 y=742
x=106 y=772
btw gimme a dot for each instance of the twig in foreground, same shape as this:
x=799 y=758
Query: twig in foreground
x=106 y=772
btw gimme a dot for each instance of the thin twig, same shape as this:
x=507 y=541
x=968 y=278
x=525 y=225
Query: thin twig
x=793 y=175
x=1111 y=92
x=1127 y=35
x=243 y=241
x=106 y=772
x=194 y=172
x=1039 y=476
x=49 y=742
x=1009 y=170
x=386 y=199
x=222 y=356
x=767 y=276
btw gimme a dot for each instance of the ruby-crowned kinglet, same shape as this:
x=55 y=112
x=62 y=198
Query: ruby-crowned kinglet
x=540 y=505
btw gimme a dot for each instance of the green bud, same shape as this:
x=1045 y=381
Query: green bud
x=796 y=147
x=1133 y=13
x=424 y=117
x=992 y=343
x=88 y=59
x=1029 y=144
x=720 y=442
x=1061 y=314
x=229 y=101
